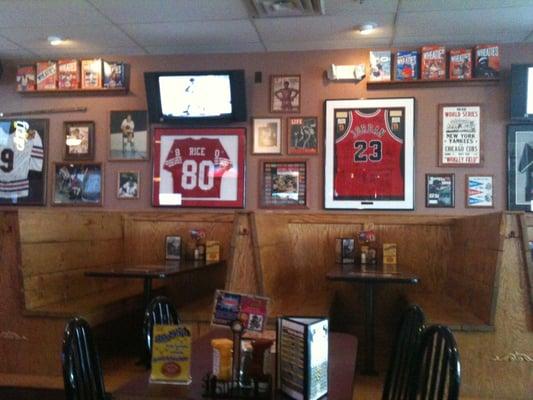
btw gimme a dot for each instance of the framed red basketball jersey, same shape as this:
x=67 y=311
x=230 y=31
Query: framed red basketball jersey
x=198 y=167
x=369 y=157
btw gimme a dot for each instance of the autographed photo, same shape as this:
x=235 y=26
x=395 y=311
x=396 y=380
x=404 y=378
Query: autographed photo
x=198 y=167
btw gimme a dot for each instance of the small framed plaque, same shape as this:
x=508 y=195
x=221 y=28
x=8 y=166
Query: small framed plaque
x=345 y=250
x=283 y=184
x=440 y=190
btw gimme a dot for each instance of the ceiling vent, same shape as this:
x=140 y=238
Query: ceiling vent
x=287 y=8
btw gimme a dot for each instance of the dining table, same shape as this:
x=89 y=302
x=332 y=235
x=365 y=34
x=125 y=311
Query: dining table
x=370 y=276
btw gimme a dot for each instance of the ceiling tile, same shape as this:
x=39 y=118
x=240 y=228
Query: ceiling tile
x=57 y=52
x=7 y=44
x=336 y=7
x=16 y=54
x=206 y=49
x=457 y=39
x=439 y=5
x=326 y=44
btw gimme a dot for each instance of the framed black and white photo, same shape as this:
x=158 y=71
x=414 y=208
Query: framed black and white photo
x=77 y=184
x=266 y=136
x=440 y=190
x=520 y=167
x=172 y=247
x=479 y=191
x=128 y=138
x=128 y=185
x=302 y=135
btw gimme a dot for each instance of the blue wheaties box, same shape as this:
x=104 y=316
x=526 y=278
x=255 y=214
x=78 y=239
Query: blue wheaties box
x=406 y=65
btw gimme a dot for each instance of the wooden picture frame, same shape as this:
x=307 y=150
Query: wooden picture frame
x=479 y=191
x=370 y=167
x=285 y=93
x=440 y=190
x=460 y=135
x=283 y=184
x=128 y=136
x=266 y=135
x=302 y=135
x=520 y=167
x=128 y=185
x=77 y=184
x=79 y=140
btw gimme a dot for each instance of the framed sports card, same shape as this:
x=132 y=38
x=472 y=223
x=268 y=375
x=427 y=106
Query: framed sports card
x=23 y=161
x=440 y=190
x=128 y=139
x=302 y=135
x=267 y=135
x=283 y=184
x=460 y=141
x=285 y=93
x=128 y=185
x=79 y=140
x=199 y=167
x=479 y=191
x=369 y=154
x=77 y=184
x=520 y=167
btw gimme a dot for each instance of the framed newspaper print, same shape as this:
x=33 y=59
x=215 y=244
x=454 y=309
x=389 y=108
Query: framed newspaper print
x=283 y=184
x=128 y=135
x=266 y=135
x=302 y=135
x=23 y=161
x=285 y=93
x=369 y=154
x=520 y=167
x=440 y=190
x=479 y=191
x=198 y=167
x=77 y=184
x=460 y=135
x=79 y=140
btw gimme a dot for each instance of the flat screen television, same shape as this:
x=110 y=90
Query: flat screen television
x=522 y=91
x=196 y=97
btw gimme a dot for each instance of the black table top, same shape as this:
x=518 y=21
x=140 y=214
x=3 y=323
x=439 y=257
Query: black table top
x=372 y=274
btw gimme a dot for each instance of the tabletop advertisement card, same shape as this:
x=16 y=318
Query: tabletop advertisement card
x=171 y=354
x=250 y=310
x=302 y=348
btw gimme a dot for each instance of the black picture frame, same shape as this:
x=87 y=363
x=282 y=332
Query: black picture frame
x=519 y=167
x=440 y=190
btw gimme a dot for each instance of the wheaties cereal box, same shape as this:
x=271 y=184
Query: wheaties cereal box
x=380 y=66
x=91 y=74
x=433 y=62
x=487 y=61
x=406 y=65
x=46 y=75
x=171 y=354
x=389 y=253
x=26 y=78
x=460 y=64
x=68 y=74
x=114 y=75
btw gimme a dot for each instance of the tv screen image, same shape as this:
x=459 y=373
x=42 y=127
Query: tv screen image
x=522 y=92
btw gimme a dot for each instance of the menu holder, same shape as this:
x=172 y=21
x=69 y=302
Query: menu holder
x=171 y=354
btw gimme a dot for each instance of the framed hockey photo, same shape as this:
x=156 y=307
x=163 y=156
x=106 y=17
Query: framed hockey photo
x=460 y=135
x=23 y=161
x=79 y=140
x=302 y=135
x=77 y=184
x=283 y=184
x=128 y=185
x=520 y=167
x=266 y=135
x=440 y=190
x=285 y=93
x=479 y=191
x=199 y=167
x=128 y=138
x=369 y=154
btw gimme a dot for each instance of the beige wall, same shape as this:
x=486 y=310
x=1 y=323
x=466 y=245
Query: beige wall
x=315 y=89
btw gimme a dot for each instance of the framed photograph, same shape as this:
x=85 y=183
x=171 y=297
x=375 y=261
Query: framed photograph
x=23 y=161
x=520 y=167
x=440 y=190
x=302 y=135
x=369 y=154
x=128 y=185
x=479 y=191
x=460 y=140
x=128 y=139
x=77 y=184
x=79 y=140
x=172 y=247
x=285 y=93
x=267 y=136
x=199 y=167
x=283 y=184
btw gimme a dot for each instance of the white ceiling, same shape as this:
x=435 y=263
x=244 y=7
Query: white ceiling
x=124 y=27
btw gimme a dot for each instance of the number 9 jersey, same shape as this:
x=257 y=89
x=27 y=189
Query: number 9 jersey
x=368 y=157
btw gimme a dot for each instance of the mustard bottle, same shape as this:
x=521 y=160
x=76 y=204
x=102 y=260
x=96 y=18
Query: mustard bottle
x=222 y=359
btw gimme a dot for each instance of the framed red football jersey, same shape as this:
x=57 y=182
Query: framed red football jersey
x=198 y=167
x=369 y=158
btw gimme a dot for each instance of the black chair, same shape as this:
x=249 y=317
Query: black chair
x=82 y=371
x=437 y=373
x=159 y=311
x=403 y=356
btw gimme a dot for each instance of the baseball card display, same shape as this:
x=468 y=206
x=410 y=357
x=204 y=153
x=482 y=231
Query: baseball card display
x=487 y=61
x=380 y=66
x=23 y=149
x=46 y=75
x=479 y=191
x=114 y=75
x=283 y=184
x=369 y=154
x=406 y=65
x=91 y=74
x=433 y=62
x=460 y=64
x=198 y=167
x=26 y=78
x=68 y=74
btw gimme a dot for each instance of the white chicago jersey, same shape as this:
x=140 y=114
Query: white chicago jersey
x=20 y=153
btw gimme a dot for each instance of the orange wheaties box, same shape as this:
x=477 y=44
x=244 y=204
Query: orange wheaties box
x=26 y=78
x=46 y=75
x=68 y=74
x=460 y=64
x=433 y=62
x=487 y=61
x=91 y=73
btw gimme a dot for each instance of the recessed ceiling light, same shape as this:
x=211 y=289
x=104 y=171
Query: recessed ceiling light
x=367 y=28
x=55 y=40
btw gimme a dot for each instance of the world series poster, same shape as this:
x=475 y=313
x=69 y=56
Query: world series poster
x=198 y=167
